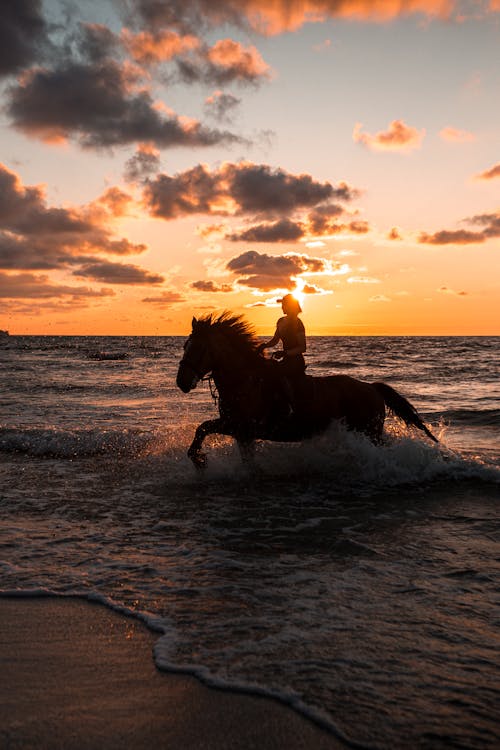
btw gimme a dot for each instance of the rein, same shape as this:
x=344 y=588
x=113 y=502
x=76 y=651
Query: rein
x=213 y=388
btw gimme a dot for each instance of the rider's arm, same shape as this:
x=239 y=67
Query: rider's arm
x=272 y=342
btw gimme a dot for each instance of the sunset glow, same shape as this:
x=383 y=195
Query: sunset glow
x=185 y=158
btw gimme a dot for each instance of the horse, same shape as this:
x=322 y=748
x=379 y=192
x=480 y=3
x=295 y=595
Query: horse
x=252 y=399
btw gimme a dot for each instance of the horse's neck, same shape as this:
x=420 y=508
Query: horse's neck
x=232 y=367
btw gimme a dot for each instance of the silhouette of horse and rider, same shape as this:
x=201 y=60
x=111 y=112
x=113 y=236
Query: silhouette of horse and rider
x=262 y=398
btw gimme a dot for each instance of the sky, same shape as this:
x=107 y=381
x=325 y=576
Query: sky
x=168 y=158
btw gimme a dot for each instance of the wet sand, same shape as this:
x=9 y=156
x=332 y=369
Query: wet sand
x=77 y=675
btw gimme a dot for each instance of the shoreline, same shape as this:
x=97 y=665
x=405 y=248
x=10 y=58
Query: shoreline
x=76 y=674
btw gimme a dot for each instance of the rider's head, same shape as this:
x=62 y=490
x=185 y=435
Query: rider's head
x=290 y=305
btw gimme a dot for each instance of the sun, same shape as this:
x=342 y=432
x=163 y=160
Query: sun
x=299 y=293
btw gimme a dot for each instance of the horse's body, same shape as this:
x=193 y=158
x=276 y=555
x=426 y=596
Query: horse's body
x=251 y=401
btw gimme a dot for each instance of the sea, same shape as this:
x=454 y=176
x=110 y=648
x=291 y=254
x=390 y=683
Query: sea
x=358 y=584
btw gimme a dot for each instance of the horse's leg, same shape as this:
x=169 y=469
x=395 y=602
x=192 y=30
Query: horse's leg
x=210 y=427
x=247 y=451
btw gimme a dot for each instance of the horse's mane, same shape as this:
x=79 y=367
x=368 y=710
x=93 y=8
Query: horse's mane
x=234 y=327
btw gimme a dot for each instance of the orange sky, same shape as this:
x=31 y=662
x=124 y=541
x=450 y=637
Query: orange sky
x=347 y=151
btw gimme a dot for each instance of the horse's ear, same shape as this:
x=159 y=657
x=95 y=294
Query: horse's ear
x=193 y=322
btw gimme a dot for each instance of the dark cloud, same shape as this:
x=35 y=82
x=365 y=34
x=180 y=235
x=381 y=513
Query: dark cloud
x=23 y=34
x=118 y=273
x=96 y=42
x=210 y=286
x=394 y=234
x=145 y=162
x=268 y=272
x=29 y=285
x=323 y=221
x=23 y=210
x=357 y=227
x=317 y=224
x=259 y=188
x=320 y=220
x=490 y=224
x=221 y=106
x=276 y=17
x=157 y=46
x=227 y=61
x=284 y=230
x=183 y=15
x=100 y=104
x=165 y=299
x=241 y=188
x=36 y=236
x=490 y=174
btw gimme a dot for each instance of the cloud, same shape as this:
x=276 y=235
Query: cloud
x=227 y=61
x=99 y=99
x=29 y=285
x=223 y=62
x=283 y=230
x=142 y=164
x=210 y=286
x=456 y=136
x=23 y=34
x=109 y=110
x=317 y=224
x=276 y=17
x=323 y=222
x=167 y=298
x=490 y=224
x=212 y=231
x=314 y=289
x=398 y=137
x=235 y=189
x=447 y=290
x=394 y=234
x=118 y=273
x=116 y=201
x=379 y=298
x=270 y=272
x=160 y=45
x=490 y=174
x=34 y=235
x=221 y=106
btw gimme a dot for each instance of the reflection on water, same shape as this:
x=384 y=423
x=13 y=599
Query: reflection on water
x=371 y=609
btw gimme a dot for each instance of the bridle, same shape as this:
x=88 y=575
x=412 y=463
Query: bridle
x=200 y=376
x=185 y=362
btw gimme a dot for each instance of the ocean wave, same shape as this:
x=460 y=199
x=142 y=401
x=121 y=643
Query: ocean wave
x=339 y=461
x=101 y=356
x=57 y=443
x=469 y=417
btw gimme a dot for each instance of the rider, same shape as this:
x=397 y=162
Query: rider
x=291 y=332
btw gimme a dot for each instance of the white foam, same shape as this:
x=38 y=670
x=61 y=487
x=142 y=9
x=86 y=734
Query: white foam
x=349 y=459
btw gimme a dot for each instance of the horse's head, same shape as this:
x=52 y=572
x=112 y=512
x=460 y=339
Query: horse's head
x=197 y=359
x=217 y=344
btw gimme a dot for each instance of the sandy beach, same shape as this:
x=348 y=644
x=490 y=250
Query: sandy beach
x=76 y=675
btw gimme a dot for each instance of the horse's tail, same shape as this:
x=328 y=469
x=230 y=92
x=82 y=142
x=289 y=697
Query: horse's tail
x=402 y=408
